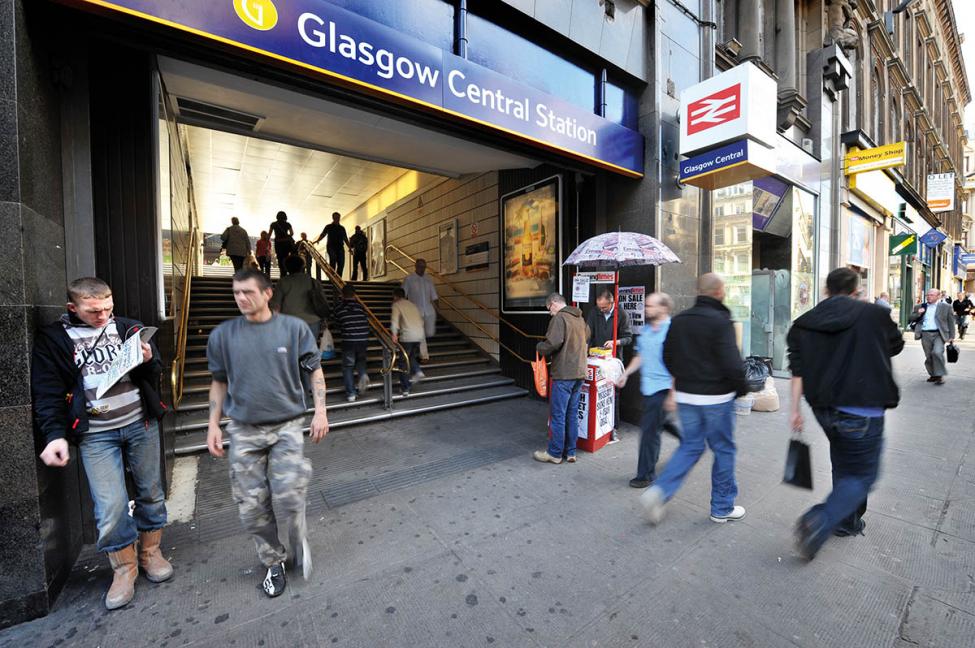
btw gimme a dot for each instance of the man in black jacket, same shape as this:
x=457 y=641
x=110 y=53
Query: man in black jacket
x=839 y=356
x=600 y=323
x=71 y=358
x=701 y=353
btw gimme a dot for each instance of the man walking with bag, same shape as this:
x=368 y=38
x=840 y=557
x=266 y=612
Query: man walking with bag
x=565 y=343
x=70 y=360
x=934 y=326
x=260 y=364
x=702 y=355
x=839 y=356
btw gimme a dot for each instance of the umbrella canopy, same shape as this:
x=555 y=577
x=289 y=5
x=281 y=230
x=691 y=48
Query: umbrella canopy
x=615 y=250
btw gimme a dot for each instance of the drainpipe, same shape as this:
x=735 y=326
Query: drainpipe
x=601 y=89
x=460 y=29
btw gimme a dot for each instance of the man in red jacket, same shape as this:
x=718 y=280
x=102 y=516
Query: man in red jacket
x=71 y=358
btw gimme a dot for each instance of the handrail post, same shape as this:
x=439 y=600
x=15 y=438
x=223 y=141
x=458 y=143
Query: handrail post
x=387 y=380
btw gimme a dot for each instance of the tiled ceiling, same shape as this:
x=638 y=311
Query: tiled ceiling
x=253 y=179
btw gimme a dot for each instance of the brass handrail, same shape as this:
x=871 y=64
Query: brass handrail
x=179 y=361
x=460 y=291
x=447 y=302
x=381 y=331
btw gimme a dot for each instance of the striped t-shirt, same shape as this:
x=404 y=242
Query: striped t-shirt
x=120 y=405
x=352 y=321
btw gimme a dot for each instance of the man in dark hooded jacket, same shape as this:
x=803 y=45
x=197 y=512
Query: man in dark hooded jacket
x=839 y=356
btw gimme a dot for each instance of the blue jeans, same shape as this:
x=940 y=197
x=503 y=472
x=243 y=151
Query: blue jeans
x=101 y=455
x=713 y=425
x=413 y=353
x=855 y=445
x=353 y=356
x=564 y=403
x=650 y=423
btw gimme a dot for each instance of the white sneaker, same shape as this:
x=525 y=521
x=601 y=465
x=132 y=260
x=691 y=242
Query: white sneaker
x=418 y=376
x=736 y=513
x=350 y=398
x=363 y=383
x=652 y=501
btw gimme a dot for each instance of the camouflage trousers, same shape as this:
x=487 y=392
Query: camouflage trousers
x=268 y=472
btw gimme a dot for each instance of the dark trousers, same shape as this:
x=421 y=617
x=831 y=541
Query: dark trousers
x=281 y=251
x=651 y=422
x=238 y=262
x=336 y=259
x=412 y=364
x=855 y=446
x=353 y=357
x=359 y=258
x=264 y=262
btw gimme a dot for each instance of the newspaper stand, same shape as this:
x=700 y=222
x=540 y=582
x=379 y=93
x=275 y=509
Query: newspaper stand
x=596 y=407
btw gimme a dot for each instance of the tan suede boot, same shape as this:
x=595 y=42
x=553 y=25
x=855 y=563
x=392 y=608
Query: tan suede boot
x=154 y=566
x=123 y=584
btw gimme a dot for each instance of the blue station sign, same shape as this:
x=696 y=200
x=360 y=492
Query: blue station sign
x=727 y=165
x=348 y=49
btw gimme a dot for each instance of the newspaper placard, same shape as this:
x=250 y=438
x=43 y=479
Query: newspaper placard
x=129 y=357
x=604 y=404
x=631 y=301
x=580 y=288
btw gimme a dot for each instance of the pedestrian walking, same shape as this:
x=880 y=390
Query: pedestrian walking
x=406 y=325
x=839 y=356
x=304 y=254
x=701 y=353
x=420 y=290
x=934 y=326
x=600 y=323
x=236 y=242
x=266 y=404
x=962 y=307
x=70 y=360
x=336 y=241
x=360 y=248
x=883 y=300
x=299 y=295
x=565 y=345
x=263 y=253
x=656 y=384
x=284 y=241
x=354 y=324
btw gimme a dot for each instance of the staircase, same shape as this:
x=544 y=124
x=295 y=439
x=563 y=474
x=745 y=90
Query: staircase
x=458 y=373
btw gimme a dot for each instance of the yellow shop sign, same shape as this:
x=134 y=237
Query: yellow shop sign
x=881 y=157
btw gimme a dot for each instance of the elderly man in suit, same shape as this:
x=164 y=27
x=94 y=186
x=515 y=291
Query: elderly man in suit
x=934 y=326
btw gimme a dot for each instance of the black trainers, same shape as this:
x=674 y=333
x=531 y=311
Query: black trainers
x=636 y=482
x=843 y=532
x=274 y=581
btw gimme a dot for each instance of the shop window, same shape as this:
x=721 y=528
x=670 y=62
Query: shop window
x=509 y=54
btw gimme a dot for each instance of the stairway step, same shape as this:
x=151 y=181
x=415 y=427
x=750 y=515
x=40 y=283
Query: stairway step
x=195 y=442
x=374 y=348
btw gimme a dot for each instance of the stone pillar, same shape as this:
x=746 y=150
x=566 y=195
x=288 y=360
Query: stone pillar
x=790 y=103
x=750 y=30
x=40 y=534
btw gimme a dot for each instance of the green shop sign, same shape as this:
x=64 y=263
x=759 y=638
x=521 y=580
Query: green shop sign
x=903 y=244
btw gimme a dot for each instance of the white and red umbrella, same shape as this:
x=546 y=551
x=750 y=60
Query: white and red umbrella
x=615 y=250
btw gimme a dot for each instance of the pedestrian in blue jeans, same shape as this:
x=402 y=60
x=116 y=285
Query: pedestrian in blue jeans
x=655 y=384
x=354 y=325
x=565 y=345
x=71 y=360
x=839 y=356
x=701 y=354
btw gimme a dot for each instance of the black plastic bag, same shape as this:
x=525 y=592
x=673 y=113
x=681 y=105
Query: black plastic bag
x=756 y=371
x=952 y=352
x=798 y=465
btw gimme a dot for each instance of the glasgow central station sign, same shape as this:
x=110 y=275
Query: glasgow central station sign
x=320 y=37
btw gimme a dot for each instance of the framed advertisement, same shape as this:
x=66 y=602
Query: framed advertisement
x=377 y=248
x=531 y=267
x=448 y=246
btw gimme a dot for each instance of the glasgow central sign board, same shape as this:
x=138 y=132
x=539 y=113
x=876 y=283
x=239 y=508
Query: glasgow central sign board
x=733 y=105
x=727 y=165
x=315 y=36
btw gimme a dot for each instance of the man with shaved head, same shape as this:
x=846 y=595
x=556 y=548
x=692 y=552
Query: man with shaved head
x=702 y=355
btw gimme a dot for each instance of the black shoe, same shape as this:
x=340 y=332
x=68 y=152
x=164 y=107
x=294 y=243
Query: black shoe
x=640 y=483
x=274 y=581
x=938 y=380
x=931 y=379
x=843 y=532
x=807 y=543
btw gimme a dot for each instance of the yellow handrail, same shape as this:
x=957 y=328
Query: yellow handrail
x=179 y=361
x=381 y=331
x=447 y=302
x=460 y=291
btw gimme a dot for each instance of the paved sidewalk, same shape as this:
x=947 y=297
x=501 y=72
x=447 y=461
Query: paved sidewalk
x=441 y=531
